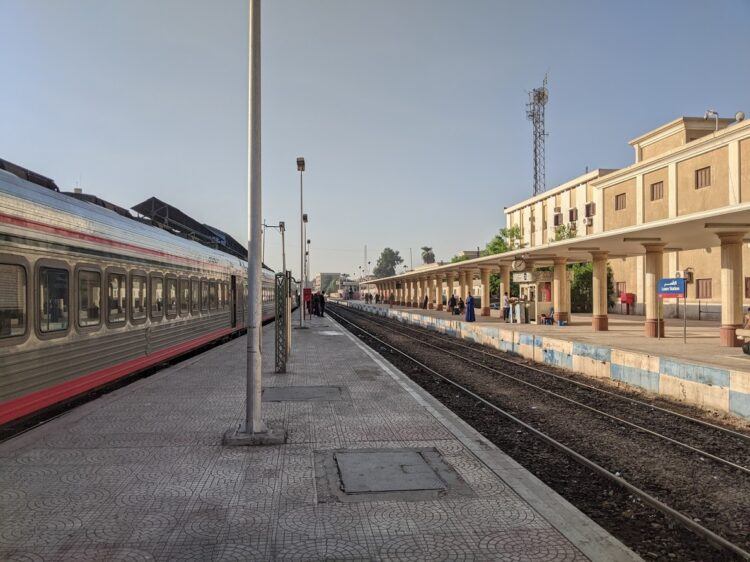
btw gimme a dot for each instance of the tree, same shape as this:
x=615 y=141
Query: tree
x=582 y=287
x=428 y=256
x=504 y=241
x=564 y=232
x=387 y=263
x=457 y=258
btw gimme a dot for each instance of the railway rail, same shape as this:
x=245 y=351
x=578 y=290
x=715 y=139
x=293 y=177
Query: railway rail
x=701 y=485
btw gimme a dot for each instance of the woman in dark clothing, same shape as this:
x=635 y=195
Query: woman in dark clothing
x=452 y=304
x=470 y=309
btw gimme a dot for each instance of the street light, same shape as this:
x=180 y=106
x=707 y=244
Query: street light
x=302 y=221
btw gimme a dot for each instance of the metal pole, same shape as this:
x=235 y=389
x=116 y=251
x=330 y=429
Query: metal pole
x=253 y=419
x=684 y=319
x=301 y=256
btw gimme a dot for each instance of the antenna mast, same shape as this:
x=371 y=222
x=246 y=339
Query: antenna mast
x=535 y=113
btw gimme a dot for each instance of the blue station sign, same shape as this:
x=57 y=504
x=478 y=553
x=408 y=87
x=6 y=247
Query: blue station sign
x=672 y=287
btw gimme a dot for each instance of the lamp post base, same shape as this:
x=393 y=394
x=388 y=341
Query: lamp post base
x=237 y=437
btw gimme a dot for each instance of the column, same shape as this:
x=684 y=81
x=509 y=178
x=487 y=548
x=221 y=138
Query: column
x=653 y=272
x=400 y=293
x=437 y=301
x=462 y=284
x=412 y=294
x=485 y=274
x=599 y=320
x=560 y=290
x=504 y=281
x=450 y=278
x=732 y=286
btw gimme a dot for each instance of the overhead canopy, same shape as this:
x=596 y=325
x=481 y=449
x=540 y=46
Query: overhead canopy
x=694 y=231
x=172 y=219
x=28 y=175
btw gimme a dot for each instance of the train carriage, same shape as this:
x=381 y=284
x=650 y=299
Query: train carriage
x=88 y=296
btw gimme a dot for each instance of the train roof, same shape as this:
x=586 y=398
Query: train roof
x=20 y=196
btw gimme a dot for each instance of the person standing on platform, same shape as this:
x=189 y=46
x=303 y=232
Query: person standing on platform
x=425 y=302
x=322 y=304
x=506 y=306
x=470 y=309
x=452 y=303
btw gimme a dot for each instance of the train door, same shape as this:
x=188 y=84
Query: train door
x=233 y=305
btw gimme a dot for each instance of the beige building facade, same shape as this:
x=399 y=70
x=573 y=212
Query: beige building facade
x=681 y=209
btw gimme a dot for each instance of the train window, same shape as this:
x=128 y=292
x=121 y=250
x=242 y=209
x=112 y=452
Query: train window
x=116 y=296
x=137 y=297
x=213 y=296
x=196 y=294
x=171 y=297
x=184 y=297
x=89 y=298
x=204 y=295
x=157 y=297
x=53 y=299
x=12 y=301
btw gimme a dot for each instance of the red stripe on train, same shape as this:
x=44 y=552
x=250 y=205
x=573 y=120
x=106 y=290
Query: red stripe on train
x=19 y=407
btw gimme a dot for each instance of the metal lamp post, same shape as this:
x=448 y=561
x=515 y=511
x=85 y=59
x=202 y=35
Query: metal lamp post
x=302 y=220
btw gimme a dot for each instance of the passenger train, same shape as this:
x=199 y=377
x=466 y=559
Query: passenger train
x=88 y=296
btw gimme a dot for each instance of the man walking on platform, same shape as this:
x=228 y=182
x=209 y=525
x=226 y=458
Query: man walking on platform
x=322 y=303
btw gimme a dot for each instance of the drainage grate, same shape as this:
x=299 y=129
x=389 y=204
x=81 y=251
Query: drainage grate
x=358 y=475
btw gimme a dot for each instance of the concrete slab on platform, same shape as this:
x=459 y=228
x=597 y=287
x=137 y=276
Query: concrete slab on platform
x=141 y=473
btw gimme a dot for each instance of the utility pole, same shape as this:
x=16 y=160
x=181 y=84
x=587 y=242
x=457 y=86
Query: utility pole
x=302 y=221
x=254 y=430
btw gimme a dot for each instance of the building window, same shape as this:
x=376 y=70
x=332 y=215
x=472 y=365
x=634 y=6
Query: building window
x=171 y=297
x=12 y=301
x=703 y=288
x=703 y=177
x=89 y=298
x=53 y=300
x=116 y=296
x=620 y=201
x=558 y=219
x=620 y=288
x=747 y=287
x=657 y=191
x=213 y=296
x=195 y=303
x=573 y=215
x=590 y=209
x=137 y=297
x=157 y=297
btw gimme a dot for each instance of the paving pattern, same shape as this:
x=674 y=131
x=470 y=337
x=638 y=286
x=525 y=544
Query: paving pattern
x=140 y=474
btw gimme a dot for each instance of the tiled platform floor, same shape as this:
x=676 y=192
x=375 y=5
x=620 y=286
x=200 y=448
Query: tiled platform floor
x=140 y=474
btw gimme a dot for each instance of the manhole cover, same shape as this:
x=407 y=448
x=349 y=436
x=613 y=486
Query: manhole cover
x=299 y=393
x=356 y=475
x=381 y=471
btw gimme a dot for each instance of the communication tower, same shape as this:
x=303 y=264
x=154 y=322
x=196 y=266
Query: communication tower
x=535 y=113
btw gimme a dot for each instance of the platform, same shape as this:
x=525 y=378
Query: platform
x=699 y=372
x=374 y=468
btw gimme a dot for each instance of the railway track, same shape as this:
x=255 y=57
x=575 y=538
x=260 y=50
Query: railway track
x=693 y=472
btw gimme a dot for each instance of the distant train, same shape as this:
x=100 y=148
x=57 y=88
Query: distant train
x=88 y=296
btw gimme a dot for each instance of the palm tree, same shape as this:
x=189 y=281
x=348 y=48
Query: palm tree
x=428 y=256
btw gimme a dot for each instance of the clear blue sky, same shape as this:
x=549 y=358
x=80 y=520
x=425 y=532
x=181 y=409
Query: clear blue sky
x=410 y=113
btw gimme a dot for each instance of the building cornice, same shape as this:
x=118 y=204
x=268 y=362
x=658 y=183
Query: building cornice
x=697 y=147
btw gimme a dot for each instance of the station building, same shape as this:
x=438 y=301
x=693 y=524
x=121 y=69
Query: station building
x=681 y=209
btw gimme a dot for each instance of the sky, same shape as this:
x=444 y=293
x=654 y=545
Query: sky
x=410 y=113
